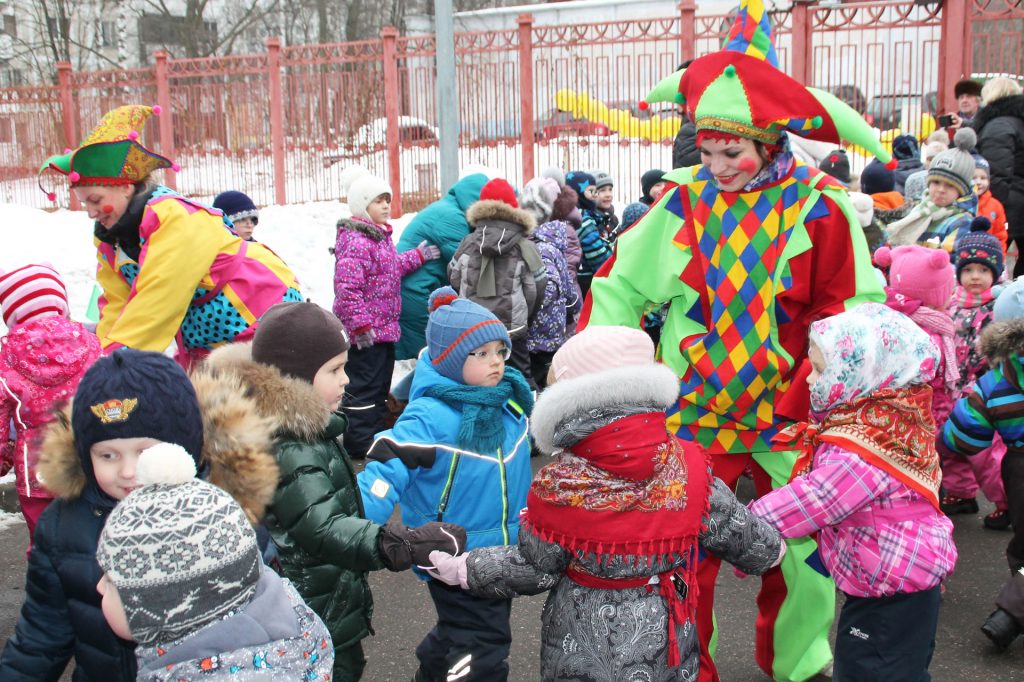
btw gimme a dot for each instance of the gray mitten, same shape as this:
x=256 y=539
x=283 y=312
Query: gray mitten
x=402 y=547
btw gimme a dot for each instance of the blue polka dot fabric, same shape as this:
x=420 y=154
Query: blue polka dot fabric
x=217 y=321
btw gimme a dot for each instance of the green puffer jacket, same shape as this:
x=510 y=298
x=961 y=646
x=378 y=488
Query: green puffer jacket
x=316 y=516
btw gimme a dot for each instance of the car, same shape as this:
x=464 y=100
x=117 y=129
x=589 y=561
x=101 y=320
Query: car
x=852 y=95
x=372 y=137
x=886 y=112
x=555 y=124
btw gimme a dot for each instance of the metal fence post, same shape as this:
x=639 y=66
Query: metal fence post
x=687 y=30
x=276 y=93
x=166 y=118
x=526 y=92
x=954 y=59
x=67 y=105
x=800 y=67
x=389 y=35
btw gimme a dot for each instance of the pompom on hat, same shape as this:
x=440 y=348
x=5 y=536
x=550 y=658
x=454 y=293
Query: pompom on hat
x=919 y=273
x=180 y=551
x=112 y=154
x=876 y=178
x=740 y=92
x=979 y=247
x=456 y=327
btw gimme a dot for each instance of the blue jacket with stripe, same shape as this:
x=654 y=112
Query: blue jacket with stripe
x=416 y=464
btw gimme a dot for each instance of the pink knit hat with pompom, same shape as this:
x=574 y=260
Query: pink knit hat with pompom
x=919 y=273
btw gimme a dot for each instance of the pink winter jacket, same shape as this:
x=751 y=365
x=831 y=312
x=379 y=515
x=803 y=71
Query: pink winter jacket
x=877 y=536
x=41 y=363
x=368 y=276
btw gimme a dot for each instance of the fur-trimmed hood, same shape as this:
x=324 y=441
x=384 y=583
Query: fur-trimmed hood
x=237 y=445
x=494 y=211
x=1003 y=341
x=1004 y=106
x=377 y=233
x=291 y=404
x=654 y=385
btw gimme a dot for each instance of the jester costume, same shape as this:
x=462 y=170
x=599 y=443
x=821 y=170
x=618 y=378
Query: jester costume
x=744 y=273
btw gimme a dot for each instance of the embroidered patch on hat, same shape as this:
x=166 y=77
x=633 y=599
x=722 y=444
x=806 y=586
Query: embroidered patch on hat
x=114 y=410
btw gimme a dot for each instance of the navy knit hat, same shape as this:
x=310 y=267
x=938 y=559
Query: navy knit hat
x=905 y=147
x=837 y=164
x=649 y=180
x=456 y=327
x=237 y=205
x=979 y=247
x=876 y=178
x=632 y=213
x=580 y=181
x=136 y=394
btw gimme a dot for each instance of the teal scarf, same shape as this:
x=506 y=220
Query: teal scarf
x=482 y=429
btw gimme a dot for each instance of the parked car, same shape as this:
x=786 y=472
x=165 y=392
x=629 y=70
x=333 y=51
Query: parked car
x=852 y=95
x=555 y=124
x=372 y=137
x=886 y=112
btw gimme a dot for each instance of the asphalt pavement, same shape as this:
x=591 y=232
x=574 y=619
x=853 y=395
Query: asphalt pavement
x=404 y=614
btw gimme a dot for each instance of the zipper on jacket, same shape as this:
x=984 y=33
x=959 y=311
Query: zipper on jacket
x=504 y=496
x=446 y=493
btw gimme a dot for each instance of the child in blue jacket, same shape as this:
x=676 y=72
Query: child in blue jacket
x=459 y=453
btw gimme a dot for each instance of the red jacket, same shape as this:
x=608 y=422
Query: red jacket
x=992 y=208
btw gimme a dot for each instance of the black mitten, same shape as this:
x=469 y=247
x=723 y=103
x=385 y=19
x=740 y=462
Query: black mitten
x=402 y=547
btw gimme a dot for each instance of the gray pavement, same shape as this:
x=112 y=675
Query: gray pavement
x=404 y=614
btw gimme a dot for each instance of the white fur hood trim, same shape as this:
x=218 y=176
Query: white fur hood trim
x=651 y=384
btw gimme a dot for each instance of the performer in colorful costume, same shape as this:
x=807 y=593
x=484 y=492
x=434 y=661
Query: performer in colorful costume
x=169 y=268
x=748 y=249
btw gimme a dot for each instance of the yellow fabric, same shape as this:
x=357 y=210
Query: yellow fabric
x=115 y=292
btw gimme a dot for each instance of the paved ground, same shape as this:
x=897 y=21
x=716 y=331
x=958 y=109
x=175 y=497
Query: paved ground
x=404 y=613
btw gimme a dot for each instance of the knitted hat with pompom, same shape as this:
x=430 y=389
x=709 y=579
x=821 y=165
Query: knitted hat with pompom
x=956 y=166
x=919 y=273
x=981 y=247
x=456 y=327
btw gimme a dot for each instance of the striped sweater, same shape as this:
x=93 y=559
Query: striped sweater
x=997 y=402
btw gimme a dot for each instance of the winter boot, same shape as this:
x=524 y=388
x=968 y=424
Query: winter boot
x=1001 y=628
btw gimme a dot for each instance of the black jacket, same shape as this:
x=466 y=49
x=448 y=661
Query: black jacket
x=684 y=149
x=1000 y=126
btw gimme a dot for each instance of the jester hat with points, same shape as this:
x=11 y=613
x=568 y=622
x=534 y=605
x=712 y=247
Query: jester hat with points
x=112 y=154
x=740 y=91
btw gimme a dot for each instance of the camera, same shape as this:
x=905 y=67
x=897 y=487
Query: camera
x=946 y=120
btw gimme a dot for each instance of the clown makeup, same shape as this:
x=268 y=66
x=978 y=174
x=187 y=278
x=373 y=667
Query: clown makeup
x=97 y=199
x=733 y=162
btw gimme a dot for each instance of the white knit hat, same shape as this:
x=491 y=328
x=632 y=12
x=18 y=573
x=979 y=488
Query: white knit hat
x=597 y=349
x=31 y=292
x=363 y=191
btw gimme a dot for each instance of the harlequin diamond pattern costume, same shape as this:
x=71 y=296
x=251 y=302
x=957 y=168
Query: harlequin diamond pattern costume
x=745 y=272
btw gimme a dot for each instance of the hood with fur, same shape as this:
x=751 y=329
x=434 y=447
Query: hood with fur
x=493 y=211
x=1003 y=341
x=291 y=404
x=237 y=444
x=656 y=386
x=1004 y=106
x=376 y=233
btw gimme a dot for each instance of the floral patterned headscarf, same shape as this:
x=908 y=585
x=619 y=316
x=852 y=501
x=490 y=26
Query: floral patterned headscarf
x=868 y=348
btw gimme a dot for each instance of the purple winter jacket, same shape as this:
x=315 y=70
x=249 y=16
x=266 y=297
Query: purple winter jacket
x=368 y=274
x=561 y=292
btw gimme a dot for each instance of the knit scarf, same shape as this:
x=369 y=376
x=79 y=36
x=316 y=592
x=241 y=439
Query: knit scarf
x=625 y=490
x=891 y=428
x=934 y=322
x=916 y=223
x=482 y=429
x=965 y=299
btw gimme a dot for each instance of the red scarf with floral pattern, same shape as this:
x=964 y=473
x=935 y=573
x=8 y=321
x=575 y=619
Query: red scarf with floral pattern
x=631 y=488
x=891 y=428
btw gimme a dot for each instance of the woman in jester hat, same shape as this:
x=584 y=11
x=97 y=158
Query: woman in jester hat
x=747 y=250
x=169 y=269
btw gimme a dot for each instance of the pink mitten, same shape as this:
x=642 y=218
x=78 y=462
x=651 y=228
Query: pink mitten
x=449 y=569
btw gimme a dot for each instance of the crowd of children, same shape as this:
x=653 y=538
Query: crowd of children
x=210 y=524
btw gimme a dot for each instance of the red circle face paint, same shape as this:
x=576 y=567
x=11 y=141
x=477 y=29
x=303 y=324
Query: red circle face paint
x=747 y=165
x=107 y=208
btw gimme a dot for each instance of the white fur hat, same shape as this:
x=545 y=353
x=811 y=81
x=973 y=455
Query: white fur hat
x=363 y=191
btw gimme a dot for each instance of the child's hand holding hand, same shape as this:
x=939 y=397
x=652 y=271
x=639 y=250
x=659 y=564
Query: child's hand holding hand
x=363 y=339
x=402 y=547
x=449 y=569
x=428 y=251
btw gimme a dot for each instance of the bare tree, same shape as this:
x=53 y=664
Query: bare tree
x=205 y=28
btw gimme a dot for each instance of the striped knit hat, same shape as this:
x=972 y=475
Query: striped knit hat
x=457 y=327
x=31 y=292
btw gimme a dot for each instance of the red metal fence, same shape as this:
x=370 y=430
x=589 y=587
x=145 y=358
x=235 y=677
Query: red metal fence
x=284 y=124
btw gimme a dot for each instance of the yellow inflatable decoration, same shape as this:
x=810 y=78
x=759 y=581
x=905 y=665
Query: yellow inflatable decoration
x=619 y=121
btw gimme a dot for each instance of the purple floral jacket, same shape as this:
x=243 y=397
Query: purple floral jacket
x=367 y=278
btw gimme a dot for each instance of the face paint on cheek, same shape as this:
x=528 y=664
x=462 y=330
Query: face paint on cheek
x=747 y=165
x=107 y=208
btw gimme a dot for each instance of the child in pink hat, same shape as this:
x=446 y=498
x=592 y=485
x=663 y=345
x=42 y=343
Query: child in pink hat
x=42 y=358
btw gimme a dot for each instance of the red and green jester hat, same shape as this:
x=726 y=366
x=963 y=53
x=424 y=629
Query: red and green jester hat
x=744 y=272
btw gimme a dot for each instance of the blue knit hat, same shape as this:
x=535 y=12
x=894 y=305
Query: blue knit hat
x=905 y=147
x=136 y=394
x=579 y=181
x=237 y=205
x=456 y=327
x=633 y=213
x=876 y=178
x=979 y=246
